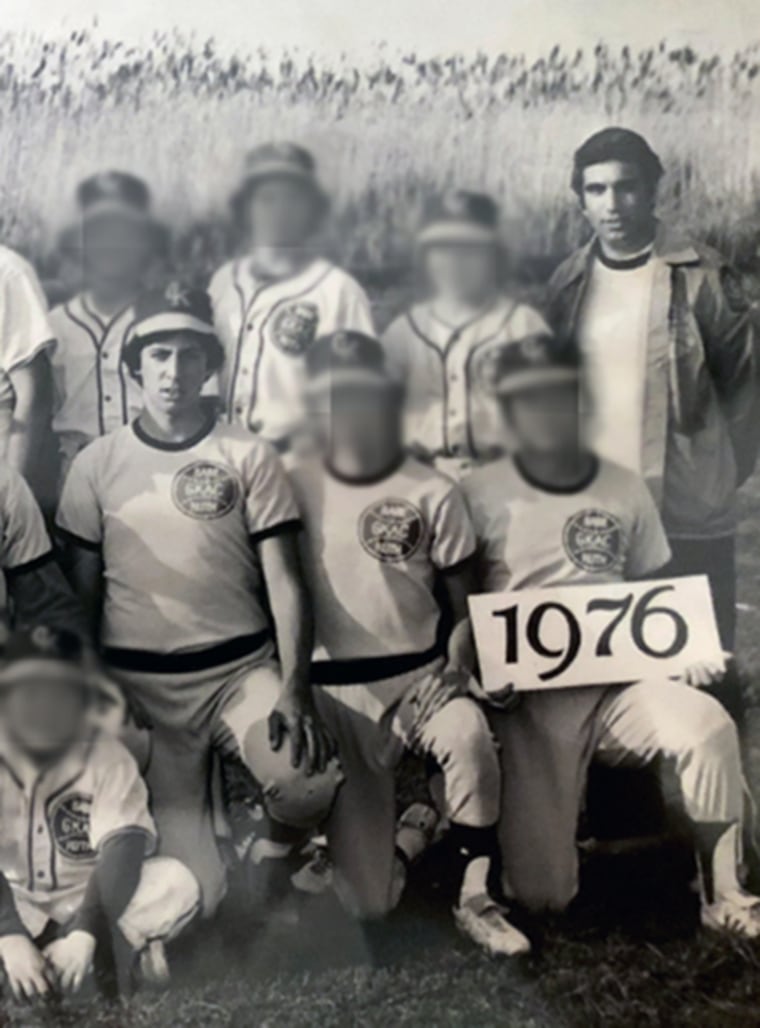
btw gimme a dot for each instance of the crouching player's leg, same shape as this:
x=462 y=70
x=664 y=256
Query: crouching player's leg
x=75 y=830
x=296 y=774
x=696 y=747
x=438 y=718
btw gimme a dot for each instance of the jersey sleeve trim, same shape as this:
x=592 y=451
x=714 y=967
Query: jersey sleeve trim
x=282 y=528
x=30 y=565
x=460 y=565
x=78 y=540
x=29 y=358
x=151 y=843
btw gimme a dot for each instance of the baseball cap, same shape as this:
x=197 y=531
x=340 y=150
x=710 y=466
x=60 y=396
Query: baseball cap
x=616 y=144
x=172 y=309
x=459 y=216
x=280 y=161
x=346 y=358
x=42 y=651
x=114 y=192
x=536 y=360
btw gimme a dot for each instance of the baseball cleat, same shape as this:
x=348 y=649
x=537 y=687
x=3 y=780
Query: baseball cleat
x=416 y=830
x=737 y=912
x=483 y=921
x=154 y=967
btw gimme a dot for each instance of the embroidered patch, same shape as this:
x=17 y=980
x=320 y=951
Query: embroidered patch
x=294 y=328
x=593 y=540
x=391 y=530
x=204 y=490
x=69 y=821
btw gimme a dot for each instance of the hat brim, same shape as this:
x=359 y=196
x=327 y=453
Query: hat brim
x=117 y=209
x=20 y=672
x=534 y=378
x=348 y=378
x=171 y=321
x=274 y=170
x=457 y=233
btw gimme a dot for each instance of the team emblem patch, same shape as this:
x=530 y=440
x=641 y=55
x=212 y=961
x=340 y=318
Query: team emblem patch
x=391 y=530
x=593 y=540
x=294 y=328
x=70 y=824
x=205 y=490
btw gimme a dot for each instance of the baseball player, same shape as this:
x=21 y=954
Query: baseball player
x=94 y=394
x=383 y=536
x=186 y=521
x=556 y=514
x=78 y=882
x=434 y=346
x=271 y=303
x=25 y=389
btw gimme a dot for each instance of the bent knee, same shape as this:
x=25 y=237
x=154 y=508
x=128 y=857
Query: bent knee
x=460 y=727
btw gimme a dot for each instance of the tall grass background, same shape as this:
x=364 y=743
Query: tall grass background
x=385 y=134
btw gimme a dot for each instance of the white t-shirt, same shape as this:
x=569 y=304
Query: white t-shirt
x=94 y=392
x=371 y=553
x=266 y=327
x=53 y=824
x=608 y=530
x=612 y=333
x=177 y=526
x=447 y=413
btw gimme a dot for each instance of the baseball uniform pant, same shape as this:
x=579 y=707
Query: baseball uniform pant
x=373 y=723
x=224 y=710
x=166 y=900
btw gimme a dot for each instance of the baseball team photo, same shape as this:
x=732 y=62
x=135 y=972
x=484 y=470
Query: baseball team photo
x=379 y=514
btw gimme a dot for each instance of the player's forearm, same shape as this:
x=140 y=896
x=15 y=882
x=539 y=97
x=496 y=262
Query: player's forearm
x=113 y=882
x=461 y=647
x=42 y=595
x=295 y=635
x=85 y=569
x=10 y=921
x=31 y=417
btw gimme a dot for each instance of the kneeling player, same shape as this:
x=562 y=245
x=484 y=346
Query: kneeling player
x=382 y=533
x=188 y=522
x=77 y=882
x=529 y=512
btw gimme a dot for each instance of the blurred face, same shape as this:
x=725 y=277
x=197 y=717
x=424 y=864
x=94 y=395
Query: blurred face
x=280 y=213
x=544 y=420
x=116 y=250
x=360 y=421
x=465 y=272
x=173 y=372
x=618 y=205
x=44 y=716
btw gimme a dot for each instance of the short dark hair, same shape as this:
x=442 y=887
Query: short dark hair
x=616 y=144
x=210 y=344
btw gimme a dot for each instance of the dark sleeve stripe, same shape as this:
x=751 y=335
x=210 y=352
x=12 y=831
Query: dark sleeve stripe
x=30 y=565
x=77 y=540
x=460 y=565
x=293 y=525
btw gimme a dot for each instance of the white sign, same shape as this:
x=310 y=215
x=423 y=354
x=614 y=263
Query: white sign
x=594 y=634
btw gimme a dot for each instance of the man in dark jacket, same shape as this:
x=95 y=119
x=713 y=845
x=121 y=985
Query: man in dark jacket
x=669 y=347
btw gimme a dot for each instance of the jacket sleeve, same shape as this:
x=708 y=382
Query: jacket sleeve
x=730 y=329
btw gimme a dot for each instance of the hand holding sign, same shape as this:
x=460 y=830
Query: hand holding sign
x=594 y=635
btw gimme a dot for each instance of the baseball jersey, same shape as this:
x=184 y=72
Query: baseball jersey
x=53 y=823
x=266 y=327
x=176 y=524
x=447 y=412
x=613 y=335
x=24 y=541
x=607 y=530
x=24 y=326
x=371 y=553
x=94 y=392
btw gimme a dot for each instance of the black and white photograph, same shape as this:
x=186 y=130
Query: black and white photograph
x=379 y=514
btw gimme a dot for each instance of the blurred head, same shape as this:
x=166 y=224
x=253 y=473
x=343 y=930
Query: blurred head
x=118 y=231
x=459 y=246
x=615 y=177
x=535 y=382
x=354 y=403
x=44 y=693
x=280 y=203
x=173 y=348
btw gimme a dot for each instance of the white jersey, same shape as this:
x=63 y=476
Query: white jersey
x=606 y=530
x=613 y=330
x=447 y=412
x=266 y=327
x=24 y=326
x=94 y=392
x=371 y=554
x=178 y=524
x=54 y=822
